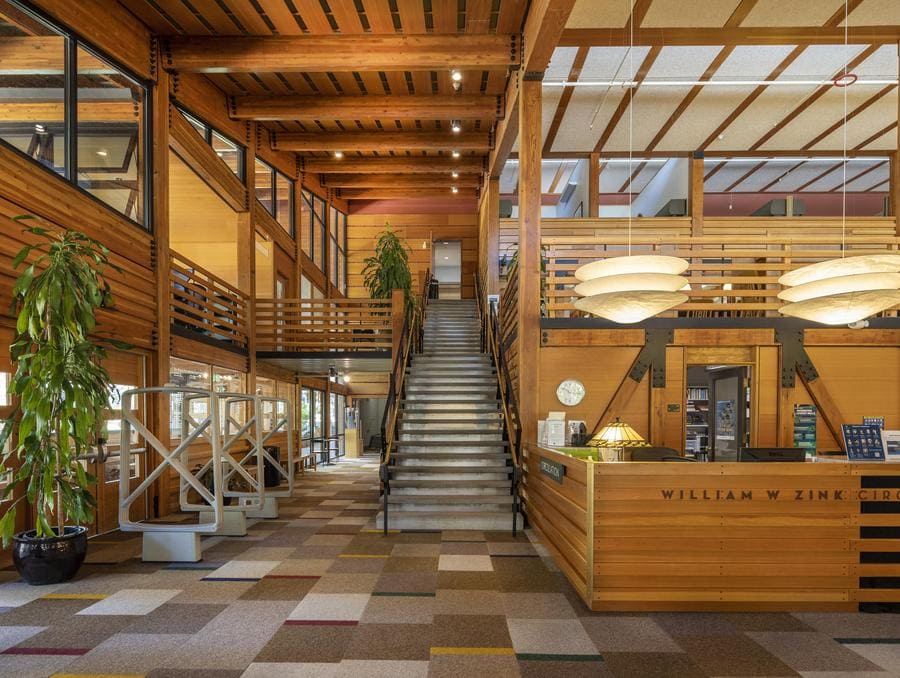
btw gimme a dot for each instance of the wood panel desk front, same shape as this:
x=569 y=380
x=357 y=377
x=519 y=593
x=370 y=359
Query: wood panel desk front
x=636 y=536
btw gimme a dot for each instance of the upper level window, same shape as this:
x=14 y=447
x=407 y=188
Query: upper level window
x=275 y=192
x=72 y=110
x=231 y=153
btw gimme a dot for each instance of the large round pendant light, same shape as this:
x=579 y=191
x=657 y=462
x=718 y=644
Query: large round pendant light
x=629 y=289
x=632 y=288
x=846 y=290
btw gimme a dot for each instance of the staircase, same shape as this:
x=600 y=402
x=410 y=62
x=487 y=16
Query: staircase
x=452 y=466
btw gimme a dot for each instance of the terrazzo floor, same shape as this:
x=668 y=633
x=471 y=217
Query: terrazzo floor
x=320 y=593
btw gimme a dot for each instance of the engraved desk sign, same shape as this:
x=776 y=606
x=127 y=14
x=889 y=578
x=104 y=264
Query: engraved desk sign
x=552 y=469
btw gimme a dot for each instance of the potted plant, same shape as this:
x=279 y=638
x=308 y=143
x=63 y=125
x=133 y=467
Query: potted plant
x=62 y=391
x=388 y=269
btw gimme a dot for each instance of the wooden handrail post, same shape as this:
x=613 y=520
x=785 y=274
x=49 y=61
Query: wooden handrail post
x=398 y=310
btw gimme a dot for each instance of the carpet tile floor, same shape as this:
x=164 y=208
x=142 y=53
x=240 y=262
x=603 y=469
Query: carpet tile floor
x=319 y=593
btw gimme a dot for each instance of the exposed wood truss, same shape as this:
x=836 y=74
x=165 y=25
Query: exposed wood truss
x=786 y=35
x=462 y=107
x=384 y=141
x=393 y=165
x=399 y=180
x=342 y=53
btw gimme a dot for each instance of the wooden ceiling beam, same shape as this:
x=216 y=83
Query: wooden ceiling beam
x=403 y=193
x=381 y=141
x=44 y=55
x=744 y=176
x=392 y=165
x=417 y=107
x=444 y=180
x=543 y=26
x=749 y=35
x=342 y=53
x=820 y=175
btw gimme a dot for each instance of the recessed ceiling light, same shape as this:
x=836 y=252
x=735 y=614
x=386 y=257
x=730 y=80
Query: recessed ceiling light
x=338 y=154
x=720 y=137
x=39 y=128
x=455 y=154
x=455 y=75
x=456 y=126
x=454 y=189
x=446 y=258
x=455 y=175
x=102 y=154
x=219 y=153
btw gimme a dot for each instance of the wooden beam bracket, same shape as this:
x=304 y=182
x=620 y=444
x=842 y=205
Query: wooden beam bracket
x=794 y=358
x=653 y=356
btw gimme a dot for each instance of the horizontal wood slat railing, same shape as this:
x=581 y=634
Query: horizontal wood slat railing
x=295 y=325
x=202 y=302
x=734 y=265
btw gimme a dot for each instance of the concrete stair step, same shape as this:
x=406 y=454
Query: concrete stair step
x=413 y=445
x=476 y=458
x=463 y=436
x=492 y=521
x=438 y=499
x=446 y=472
x=428 y=485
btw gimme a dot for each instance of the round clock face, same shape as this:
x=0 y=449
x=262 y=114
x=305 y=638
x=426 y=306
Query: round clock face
x=570 y=392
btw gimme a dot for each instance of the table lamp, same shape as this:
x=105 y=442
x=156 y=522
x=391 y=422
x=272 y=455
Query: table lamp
x=617 y=435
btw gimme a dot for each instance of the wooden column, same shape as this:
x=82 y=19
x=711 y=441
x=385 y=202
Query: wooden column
x=246 y=254
x=158 y=417
x=696 y=199
x=894 y=186
x=492 y=237
x=593 y=186
x=529 y=304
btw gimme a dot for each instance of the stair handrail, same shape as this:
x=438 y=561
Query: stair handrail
x=509 y=405
x=479 y=305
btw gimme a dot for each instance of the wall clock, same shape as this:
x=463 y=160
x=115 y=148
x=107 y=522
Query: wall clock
x=570 y=392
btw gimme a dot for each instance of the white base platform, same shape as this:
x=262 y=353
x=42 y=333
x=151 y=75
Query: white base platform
x=269 y=509
x=177 y=547
x=234 y=523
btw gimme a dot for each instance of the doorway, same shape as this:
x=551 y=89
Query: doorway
x=446 y=268
x=717 y=410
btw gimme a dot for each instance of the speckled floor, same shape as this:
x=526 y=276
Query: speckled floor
x=320 y=593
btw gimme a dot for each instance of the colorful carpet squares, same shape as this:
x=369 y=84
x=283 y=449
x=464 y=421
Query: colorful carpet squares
x=319 y=593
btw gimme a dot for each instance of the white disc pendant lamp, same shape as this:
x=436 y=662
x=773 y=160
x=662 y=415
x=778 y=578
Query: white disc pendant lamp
x=632 y=288
x=846 y=290
x=842 y=291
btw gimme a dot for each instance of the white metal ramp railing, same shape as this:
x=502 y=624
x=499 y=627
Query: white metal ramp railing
x=175 y=459
x=281 y=411
x=232 y=436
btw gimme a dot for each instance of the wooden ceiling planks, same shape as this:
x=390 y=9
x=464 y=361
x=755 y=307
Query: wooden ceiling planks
x=346 y=16
x=412 y=16
x=281 y=18
x=378 y=13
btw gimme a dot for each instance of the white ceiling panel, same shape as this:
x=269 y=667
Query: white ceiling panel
x=817 y=61
x=803 y=174
x=560 y=63
x=679 y=63
x=763 y=176
x=509 y=177
x=888 y=142
x=596 y=14
x=575 y=132
x=874 y=178
x=714 y=104
x=611 y=63
x=678 y=13
x=727 y=175
x=877 y=116
x=875 y=13
x=792 y=13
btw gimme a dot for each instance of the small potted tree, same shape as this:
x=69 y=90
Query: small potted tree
x=388 y=269
x=62 y=391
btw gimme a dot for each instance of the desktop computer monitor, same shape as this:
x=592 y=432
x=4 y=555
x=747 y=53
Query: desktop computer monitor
x=772 y=454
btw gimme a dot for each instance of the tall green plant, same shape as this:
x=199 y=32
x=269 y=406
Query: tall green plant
x=388 y=269
x=61 y=386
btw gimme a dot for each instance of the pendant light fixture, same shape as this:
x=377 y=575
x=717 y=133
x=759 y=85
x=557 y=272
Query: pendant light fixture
x=849 y=289
x=631 y=288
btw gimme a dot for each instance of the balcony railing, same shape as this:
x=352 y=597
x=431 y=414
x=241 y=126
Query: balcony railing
x=201 y=302
x=734 y=265
x=311 y=325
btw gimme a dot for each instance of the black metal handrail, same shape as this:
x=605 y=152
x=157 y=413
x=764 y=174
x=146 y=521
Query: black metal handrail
x=509 y=404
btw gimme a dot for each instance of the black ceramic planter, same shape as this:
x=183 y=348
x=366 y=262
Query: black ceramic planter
x=49 y=560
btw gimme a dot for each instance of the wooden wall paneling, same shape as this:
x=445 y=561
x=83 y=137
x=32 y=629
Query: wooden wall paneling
x=369 y=384
x=206 y=353
x=673 y=420
x=247 y=226
x=488 y=238
x=604 y=373
x=765 y=392
x=559 y=512
x=110 y=27
x=419 y=231
x=529 y=263
x=202 y=159
x=284 y=161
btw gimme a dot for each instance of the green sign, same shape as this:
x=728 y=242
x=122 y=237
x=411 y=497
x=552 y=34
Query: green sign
x=553 y=469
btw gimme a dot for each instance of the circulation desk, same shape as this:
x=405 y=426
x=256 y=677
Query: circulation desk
x=638 y=536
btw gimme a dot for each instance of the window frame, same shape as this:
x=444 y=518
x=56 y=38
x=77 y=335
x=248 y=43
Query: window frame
x=208 y=132
x=73 y=42
x=273 y=199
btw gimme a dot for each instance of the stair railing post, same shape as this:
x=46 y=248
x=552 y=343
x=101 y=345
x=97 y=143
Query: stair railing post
x=398 y=313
